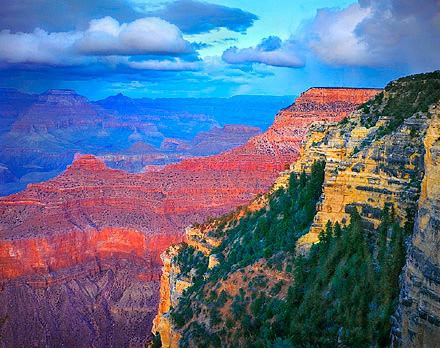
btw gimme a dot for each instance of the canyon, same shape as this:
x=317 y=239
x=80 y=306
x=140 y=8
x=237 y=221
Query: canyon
x=40 y=134
x=85 y=246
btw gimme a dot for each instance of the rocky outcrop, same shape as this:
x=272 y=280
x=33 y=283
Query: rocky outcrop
x=171 y=288
x=284 y=137
x=418 y=316
x=363 y=171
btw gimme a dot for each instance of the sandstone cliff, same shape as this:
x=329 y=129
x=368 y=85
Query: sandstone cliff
x=364 y=172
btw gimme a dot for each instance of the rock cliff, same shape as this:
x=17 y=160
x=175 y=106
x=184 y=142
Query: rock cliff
x=418 y=316
x=281 y=141
x=363 y=171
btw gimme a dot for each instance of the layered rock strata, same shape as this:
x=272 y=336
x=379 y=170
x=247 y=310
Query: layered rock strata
x=418 y=316
x=108 y=303
x=365 y=169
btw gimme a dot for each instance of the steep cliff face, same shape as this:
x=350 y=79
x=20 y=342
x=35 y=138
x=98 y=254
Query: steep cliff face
x=171 y=289
x=418 y=315
x=249 y=280
x=284 y=137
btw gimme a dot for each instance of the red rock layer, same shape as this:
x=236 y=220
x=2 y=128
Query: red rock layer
x=283 y=139
x=92 y=212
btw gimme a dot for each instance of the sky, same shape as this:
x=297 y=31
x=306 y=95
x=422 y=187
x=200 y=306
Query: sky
x=217 y=48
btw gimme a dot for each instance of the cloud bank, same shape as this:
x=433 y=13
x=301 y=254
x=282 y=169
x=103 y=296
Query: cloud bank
x=190 y=16
x=195 y=17
x=105 y=41
x=61 y=15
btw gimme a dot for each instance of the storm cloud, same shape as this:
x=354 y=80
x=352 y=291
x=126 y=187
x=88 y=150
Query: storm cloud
x=271 y=51
x=195 y=17
x=61 y=15
x=191 y=16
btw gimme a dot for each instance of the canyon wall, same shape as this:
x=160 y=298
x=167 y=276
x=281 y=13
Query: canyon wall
x=417 y=321
x=282 y=140
x=107 y=303
x=364 y=172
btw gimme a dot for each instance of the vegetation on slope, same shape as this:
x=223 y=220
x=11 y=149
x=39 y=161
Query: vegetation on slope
x=342 y=293
x=268 y=234
x=402 y=99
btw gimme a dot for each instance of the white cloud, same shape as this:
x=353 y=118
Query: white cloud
x=148 y=35
x=38 y=47
x=333 y=39
x=271 y=51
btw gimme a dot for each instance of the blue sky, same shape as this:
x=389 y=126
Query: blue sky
x=191 y=48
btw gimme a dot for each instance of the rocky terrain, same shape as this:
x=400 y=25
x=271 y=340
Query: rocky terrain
x=282 y=269
x=68 y=235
